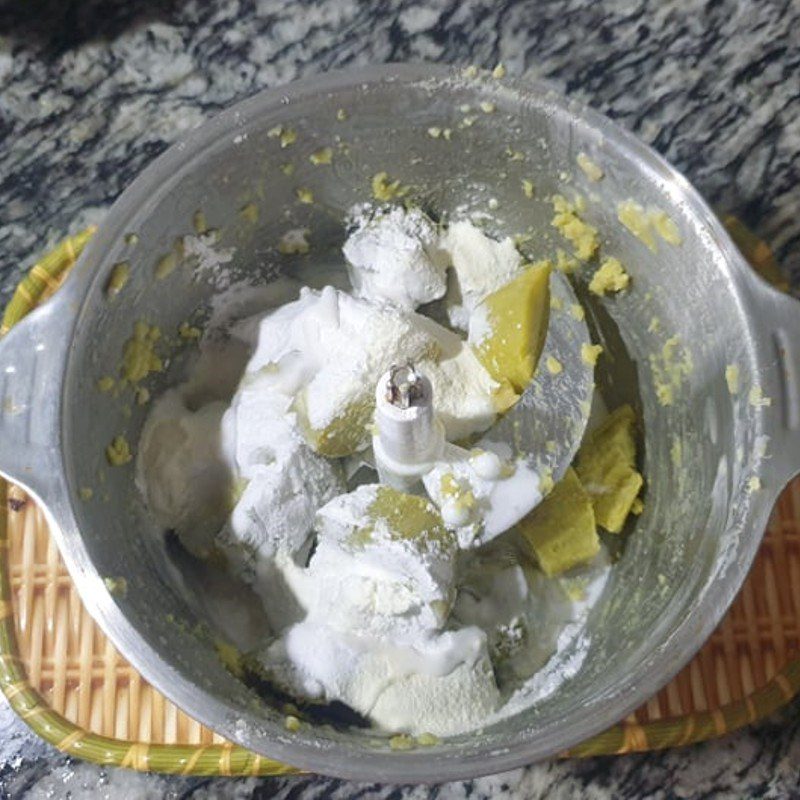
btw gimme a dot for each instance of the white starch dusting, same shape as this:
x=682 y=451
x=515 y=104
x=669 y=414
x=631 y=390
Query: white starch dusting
x=423 y=620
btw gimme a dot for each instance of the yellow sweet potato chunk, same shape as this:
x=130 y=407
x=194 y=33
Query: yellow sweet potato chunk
x=606 y=466
x=561 y=532
x=517 y=316
x=345 y=435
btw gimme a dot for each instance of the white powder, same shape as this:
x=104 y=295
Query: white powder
x=347 y=360
x=376 y=605
x=382 y=585
x=487 y=465
x=479 y=325
x=209 y=260
x=182 y=470
x=282 y=481
x=394 y=255
x=276 y=510
x=563 y=606
x=319 y=344
x=481 y=264
x=463 y=391
x=398 y=255
x=521 y=612
x=491 y=492
x=395 y=686
x=454 y=703
x=405 y=630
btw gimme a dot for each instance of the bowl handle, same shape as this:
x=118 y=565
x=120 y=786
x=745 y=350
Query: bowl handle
x=32 y=358
x=778 y=315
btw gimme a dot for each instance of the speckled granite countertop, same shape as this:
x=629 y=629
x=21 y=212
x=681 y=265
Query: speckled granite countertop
x=90 y=92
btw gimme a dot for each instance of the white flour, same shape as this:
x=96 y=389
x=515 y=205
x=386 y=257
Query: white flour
x=481 y=265
x=394 y=255
x=182 y=469
x=209 y=261
x=373 y=635
x=412 y=630
x=318 y=342
x=499 y=493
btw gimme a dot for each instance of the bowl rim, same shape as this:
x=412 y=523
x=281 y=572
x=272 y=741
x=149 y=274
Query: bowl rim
x=654 y=671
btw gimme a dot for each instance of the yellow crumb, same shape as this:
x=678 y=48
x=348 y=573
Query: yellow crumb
x=189 y=332
x=527 y=188
x=116 y=586
x=142 y=395
x=676 y=452
x=592 y=171
x=488 y=107
x=754 y=484
x=249 y=213
x=199 y=222
x=577 y=311
x=670 y=368
x=305 y=195
x=637 y=221
x=556 y=303
x=402 y=741
x=341 y=115
x=470 y=72
x=105 y=384
x=118 y=452
x=165 y=265
x=565 y=263
x=291 y=723
x=434 y=132
x=757 y=398
x=637 y=507
x=294 y=242
x=119 y=277
x=499 y=71
x=139 y=358
x=580 y=234
x=385 y=189
x=287 y=136
x=732 y=378
x=554 y=366
x=665 y=227
x=427 y=739
x=322 y=156
x=287 y=169
x=610 y=277
x=85 y=493
x=655 y=325
x=590 y=353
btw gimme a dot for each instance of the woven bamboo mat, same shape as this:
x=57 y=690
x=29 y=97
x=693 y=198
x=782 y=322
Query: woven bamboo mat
x=73 y=687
